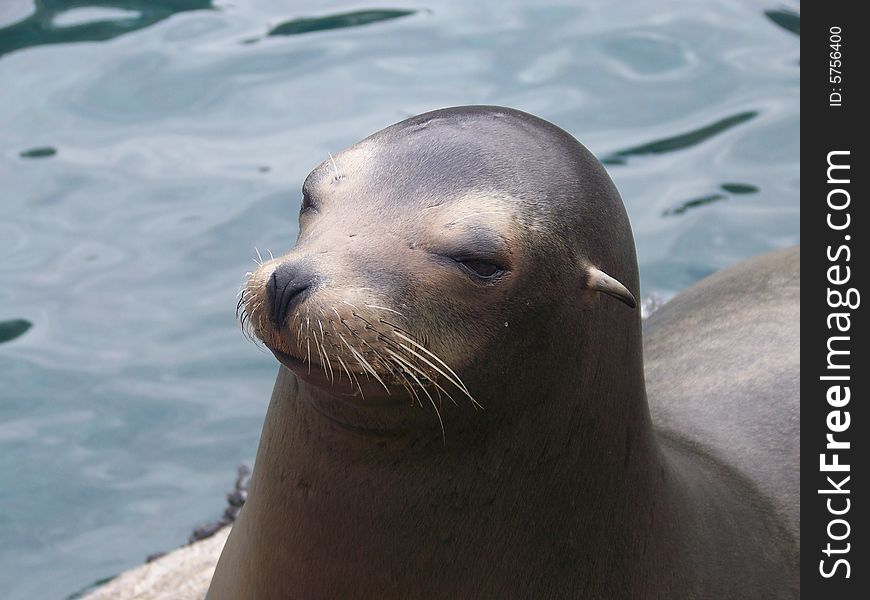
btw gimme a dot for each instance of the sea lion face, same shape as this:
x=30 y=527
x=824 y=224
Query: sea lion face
x=417 y=249
x=381 y=293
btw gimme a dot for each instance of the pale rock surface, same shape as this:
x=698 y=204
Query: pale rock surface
x=182 y=574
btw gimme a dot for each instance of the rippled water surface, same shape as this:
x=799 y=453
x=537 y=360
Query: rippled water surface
x=146 y=148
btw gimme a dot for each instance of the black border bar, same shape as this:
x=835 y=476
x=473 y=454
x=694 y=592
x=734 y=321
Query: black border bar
x=834 y=226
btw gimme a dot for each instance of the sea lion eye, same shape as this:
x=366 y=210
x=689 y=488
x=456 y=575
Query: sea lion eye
x=481 y=268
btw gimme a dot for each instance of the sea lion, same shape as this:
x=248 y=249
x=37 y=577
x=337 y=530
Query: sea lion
x=461 y=410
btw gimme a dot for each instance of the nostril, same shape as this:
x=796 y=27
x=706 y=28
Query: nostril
x=286 y=288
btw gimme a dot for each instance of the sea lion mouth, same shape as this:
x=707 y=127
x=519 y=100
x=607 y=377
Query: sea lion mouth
x=353 y=347
x=358 y=390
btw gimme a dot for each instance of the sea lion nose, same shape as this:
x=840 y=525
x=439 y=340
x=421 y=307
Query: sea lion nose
x=286 y=289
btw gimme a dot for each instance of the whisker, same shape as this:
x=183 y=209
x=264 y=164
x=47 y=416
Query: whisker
x=410 y=388
x=319 y=350
x=441 y=372
x=346 y=370
x=325 y=353
x=413 y=367
x=385 y=308
x=364 y=363
x=485 y=212
x=433 y=355
x=431 y=400
x=396 y=327
x=364 y=320
x=349 y=304
x=308 y=341
x=369 y=346
x=334 y=167
x=455 y=380
x=353 y=353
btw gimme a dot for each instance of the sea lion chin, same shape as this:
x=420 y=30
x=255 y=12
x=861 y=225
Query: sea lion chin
x=366 y=393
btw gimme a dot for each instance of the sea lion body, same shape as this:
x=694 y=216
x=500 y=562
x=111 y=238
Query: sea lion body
x=476 y=265
x=723 y=373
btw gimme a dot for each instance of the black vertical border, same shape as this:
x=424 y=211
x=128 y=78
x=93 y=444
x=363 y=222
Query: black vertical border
x=826 y=128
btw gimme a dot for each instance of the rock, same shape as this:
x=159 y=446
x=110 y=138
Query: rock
x=182 y=574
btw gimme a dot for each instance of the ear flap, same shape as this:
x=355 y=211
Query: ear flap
x=600 y=281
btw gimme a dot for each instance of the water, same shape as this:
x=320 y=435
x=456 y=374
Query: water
x=146 y=148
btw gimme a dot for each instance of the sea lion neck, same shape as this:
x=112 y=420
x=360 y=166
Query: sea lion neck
x=392 y=414
x=324 y=495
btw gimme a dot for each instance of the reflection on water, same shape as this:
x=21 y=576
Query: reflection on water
x=693 y=203
x=680 y=142
x=740 y=188
x=140 y=170
x=785 y=18
x=67 y=21
x=39 y=152
x=339 y=21
x=55 y=22
x=9 y=330
x=731 y=188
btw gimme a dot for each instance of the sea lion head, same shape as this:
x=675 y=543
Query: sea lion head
x=442 y=253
